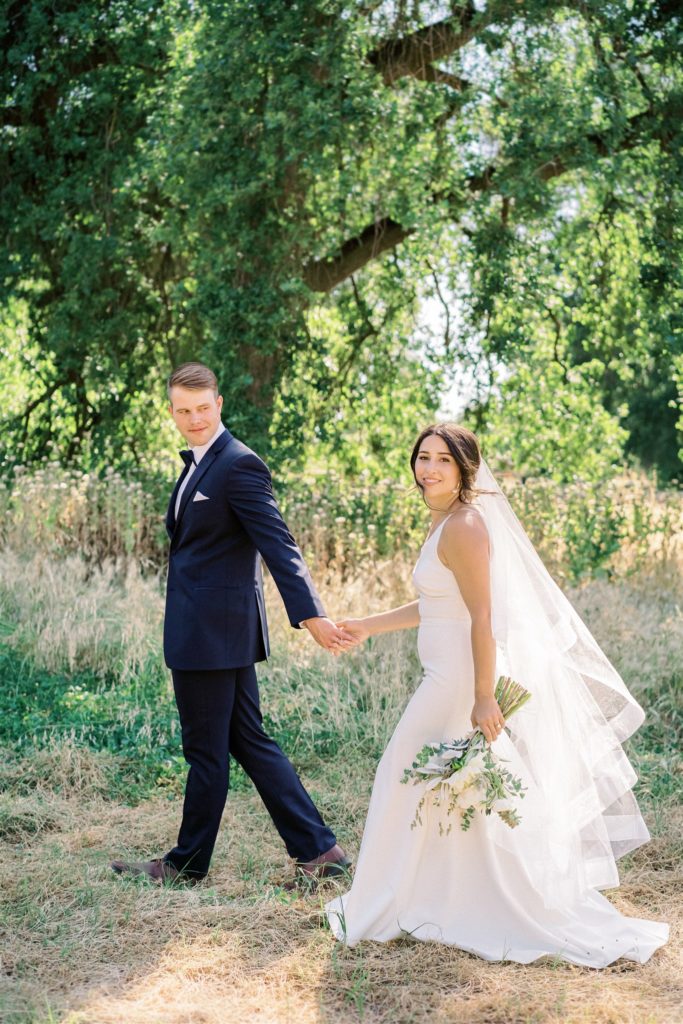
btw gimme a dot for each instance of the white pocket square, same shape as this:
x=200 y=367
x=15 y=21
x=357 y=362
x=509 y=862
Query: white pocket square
x=200 y=497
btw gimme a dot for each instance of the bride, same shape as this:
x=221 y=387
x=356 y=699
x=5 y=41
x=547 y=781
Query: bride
x=487 y=606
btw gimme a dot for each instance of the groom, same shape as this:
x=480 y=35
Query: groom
x=221 y=517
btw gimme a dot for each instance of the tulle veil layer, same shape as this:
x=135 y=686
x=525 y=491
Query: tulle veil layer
x=579 y=814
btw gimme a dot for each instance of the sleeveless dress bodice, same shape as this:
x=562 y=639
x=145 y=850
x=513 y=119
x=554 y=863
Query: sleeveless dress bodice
x=438 y=592
x=443 y=636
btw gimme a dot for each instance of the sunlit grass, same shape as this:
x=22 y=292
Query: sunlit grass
x=92 y=769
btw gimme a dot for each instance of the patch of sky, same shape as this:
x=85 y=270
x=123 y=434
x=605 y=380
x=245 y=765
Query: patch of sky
x=454 y=349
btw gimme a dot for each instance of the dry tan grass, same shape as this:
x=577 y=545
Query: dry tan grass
x=89 y=948
x=65 y=614
x=638 y=622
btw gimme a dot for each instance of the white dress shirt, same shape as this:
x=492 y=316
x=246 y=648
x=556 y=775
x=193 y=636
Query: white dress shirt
x=198 y=451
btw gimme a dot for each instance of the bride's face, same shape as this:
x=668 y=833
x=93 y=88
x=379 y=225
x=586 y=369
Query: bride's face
x=437 y=472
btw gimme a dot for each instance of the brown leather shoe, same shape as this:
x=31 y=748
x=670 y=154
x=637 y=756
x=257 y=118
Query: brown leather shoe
x=333 y=863
x=158 y=871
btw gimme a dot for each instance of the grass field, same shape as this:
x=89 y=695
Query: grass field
x=91 y=769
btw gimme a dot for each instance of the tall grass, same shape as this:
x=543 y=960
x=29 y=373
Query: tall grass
x=81 y=660
x=617 y=526
x=59 y=512
x=66 y=615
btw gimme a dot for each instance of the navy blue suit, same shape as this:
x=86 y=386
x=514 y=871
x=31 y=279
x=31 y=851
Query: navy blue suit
x=215 y=613
x=215 y=630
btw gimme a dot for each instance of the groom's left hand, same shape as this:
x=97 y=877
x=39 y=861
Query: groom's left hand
x=328 y=635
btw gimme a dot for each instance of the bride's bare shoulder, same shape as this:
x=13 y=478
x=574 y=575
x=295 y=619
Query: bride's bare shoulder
x=467 y=521
x=465 y=528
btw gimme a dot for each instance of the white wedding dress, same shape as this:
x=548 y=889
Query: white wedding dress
x=485 y=890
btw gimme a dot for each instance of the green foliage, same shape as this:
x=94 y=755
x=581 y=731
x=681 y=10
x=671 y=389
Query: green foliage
x=356 y=407
x=586 y=323
x=220 y=180
x=655 y=746
x=547 y=420
x=79 y=83
x=136 y=720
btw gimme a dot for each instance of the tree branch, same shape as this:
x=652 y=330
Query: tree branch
x=32 y=406
x=11 y=116
x=632 y=138
x=384 y=234
x=444 y=305
x=432 y=74
x=411 y=54
x=324 y=275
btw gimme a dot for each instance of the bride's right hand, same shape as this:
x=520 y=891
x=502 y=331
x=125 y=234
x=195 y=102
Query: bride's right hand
x=356 y=627
x=487 y=717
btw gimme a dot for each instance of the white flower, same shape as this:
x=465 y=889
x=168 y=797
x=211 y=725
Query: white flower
x=479 y=760
x=467 y=774
x=456 y=783
x=472 y=796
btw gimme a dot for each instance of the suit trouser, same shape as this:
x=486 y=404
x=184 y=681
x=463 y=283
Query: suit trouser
x=219 y=716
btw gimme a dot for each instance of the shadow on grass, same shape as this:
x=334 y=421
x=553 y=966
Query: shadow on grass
x=87 y=947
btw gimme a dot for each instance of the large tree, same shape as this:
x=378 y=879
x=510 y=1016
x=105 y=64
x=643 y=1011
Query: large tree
x=276 y=187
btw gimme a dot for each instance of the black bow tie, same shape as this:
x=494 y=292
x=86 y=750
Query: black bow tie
x=188 y=458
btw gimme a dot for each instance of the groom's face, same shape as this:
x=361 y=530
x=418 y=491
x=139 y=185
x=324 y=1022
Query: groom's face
x=197 y=413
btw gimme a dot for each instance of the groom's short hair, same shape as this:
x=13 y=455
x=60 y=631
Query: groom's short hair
x=195 y=376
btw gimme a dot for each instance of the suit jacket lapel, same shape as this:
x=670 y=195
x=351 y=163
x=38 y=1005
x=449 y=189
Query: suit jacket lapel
x=199 y=472
x=170 y=511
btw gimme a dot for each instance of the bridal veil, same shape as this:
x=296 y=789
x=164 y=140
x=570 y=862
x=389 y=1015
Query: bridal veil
x=579 y=813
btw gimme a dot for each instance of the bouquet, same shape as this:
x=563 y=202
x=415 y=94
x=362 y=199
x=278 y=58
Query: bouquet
x=466 y=774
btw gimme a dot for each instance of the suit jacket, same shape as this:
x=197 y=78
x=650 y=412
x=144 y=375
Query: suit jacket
x=215 y=612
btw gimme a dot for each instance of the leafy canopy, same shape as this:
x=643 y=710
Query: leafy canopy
x=277 y=188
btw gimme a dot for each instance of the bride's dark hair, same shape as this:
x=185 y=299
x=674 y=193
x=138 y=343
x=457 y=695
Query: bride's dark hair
x=463 y=446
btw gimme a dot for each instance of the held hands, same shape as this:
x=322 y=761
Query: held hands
x=487 y=716
x=334 y=638
x=356 y=628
